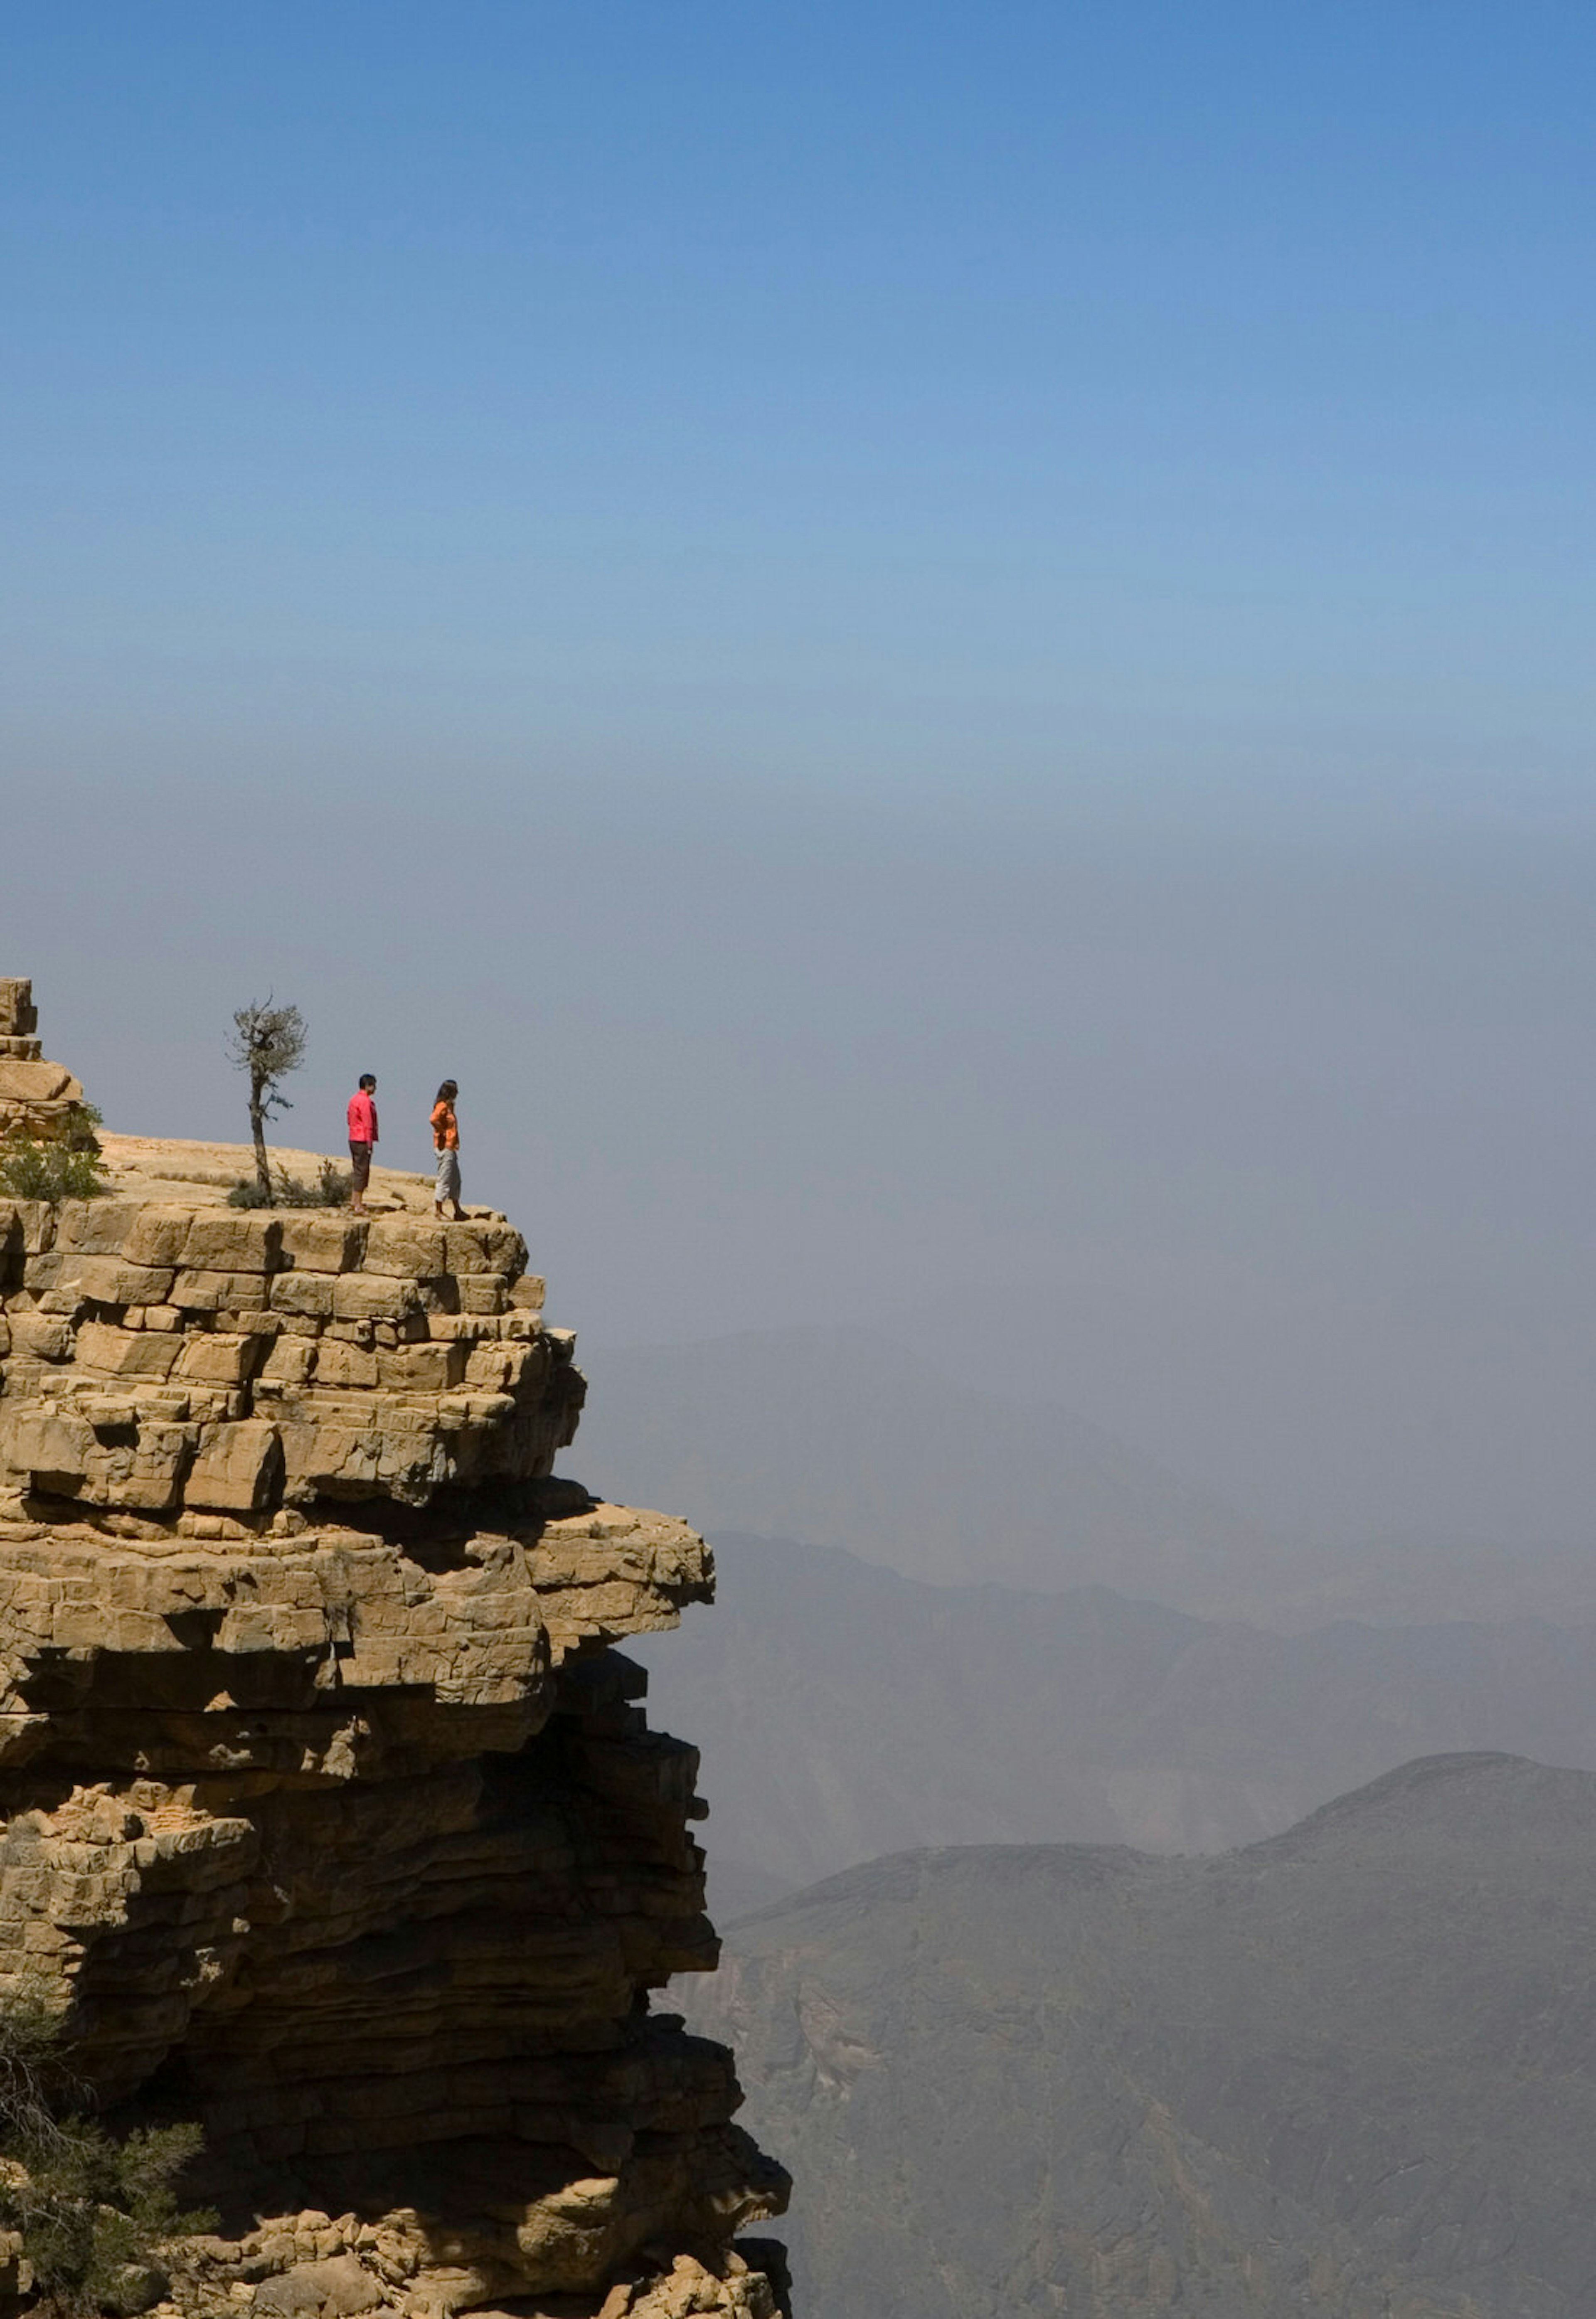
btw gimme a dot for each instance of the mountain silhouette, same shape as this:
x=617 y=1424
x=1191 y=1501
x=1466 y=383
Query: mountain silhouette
x=1346 y=2072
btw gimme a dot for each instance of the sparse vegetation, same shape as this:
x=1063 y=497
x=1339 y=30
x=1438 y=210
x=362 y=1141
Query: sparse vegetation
x=268 y=1042
x=92 y=2212
x=83 y=1129
x=330 y=1190
x=52 y=1168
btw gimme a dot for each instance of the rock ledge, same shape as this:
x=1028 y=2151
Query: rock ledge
x=330 y=1817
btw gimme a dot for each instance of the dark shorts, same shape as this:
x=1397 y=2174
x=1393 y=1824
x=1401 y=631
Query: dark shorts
x=359 y=1166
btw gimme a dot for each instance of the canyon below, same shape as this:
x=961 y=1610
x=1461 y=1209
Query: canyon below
x=1127 y=1910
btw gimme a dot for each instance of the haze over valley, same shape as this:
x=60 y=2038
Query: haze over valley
x=850 y=1437
x=1349 y=2071
x=844 y=1710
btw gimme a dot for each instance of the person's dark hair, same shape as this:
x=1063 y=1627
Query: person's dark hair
x=447 y=1092
x=368 y=1078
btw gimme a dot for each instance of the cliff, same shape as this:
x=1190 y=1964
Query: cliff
x=331 y=1819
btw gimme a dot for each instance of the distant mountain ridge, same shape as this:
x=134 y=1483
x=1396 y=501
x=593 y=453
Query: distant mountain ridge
x=848 y=1438
x=1346 y=2073
x=845 y=1711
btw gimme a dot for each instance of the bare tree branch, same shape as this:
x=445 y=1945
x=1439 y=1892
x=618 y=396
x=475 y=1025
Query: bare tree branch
x=267 y=1043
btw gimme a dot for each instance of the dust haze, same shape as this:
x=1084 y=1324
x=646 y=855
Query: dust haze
x=943 y=657
x=1268 y=1150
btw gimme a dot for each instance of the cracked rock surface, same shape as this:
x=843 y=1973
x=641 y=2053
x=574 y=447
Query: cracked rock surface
x=328 y=1812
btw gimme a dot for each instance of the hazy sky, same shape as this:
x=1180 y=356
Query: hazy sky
x=943 y=651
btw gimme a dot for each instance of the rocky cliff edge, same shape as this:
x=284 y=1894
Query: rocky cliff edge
x=329 y=1816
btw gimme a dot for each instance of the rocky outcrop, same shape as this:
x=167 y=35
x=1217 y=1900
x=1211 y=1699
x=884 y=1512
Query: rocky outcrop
x=184 y=1363
x=331 y=1817
x=37 y=1096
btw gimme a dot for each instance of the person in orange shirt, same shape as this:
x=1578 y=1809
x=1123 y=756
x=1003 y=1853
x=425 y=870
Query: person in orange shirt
x=446 y=1142
x=363 y=1134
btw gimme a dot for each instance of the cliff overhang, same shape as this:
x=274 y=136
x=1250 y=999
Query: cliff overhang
x=330 y=1817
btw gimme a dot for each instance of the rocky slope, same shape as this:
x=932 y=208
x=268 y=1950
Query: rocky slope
x=329 y=1816
x=1348 y=2073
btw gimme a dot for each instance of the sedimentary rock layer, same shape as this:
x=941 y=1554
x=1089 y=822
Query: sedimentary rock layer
x=329 y=1816
x=36 y=1095
x=167 y=1360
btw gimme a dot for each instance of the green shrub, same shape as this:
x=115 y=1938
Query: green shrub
x=247 y=1194
x=331 y=1190
x=41 y=1168
x=83 y=1129
x=93 y=2212
x=333 y=1185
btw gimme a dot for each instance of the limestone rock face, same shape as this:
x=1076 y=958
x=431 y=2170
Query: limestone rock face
x=327 y=1814
x=35 y=1096
x=181 y=1362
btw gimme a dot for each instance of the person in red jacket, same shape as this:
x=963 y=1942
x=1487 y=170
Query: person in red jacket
x=363 y=1134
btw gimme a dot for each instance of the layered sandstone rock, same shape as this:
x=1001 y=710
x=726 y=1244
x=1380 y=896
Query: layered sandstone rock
x=37 y=1096
x=329 y=1816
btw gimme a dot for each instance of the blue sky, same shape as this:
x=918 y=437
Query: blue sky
x=814 y=394
x=929 y=645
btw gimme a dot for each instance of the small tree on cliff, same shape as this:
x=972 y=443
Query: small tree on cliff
x=268 y=1042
